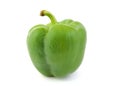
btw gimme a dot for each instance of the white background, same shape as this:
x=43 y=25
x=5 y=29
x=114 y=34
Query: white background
x=101 y=64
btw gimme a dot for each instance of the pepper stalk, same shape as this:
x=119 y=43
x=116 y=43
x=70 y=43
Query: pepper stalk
x=50 y=15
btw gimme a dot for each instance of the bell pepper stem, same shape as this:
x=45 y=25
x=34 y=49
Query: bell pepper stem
x=47 y=13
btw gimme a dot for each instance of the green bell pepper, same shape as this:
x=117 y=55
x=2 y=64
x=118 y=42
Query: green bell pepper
x=56 y=49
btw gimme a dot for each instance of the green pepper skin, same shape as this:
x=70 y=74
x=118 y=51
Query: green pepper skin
x=57 y=49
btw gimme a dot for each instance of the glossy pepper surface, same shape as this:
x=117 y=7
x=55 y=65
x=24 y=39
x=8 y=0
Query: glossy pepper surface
x=56 y=49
